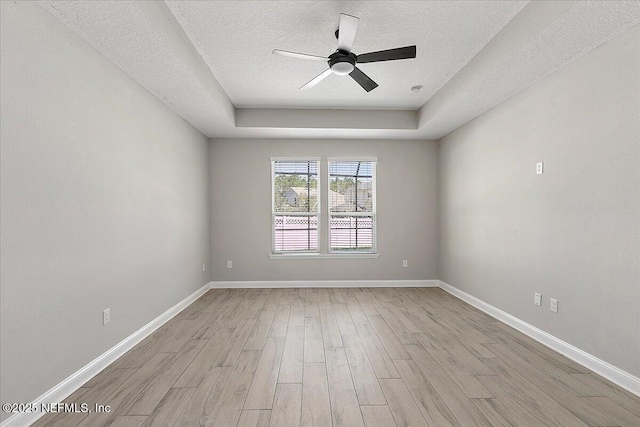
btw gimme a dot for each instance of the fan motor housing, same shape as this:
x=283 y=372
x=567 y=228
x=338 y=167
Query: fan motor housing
x=342 y=62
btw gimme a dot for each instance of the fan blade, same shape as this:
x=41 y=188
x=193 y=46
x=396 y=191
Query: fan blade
x=347 y=31
x=363 y=80
x=317 y=79
x=407 y=52
x=299 y=55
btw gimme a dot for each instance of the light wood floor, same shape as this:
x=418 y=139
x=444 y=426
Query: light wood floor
x=345 y=357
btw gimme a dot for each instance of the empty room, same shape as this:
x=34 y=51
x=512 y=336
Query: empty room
x=320 y=213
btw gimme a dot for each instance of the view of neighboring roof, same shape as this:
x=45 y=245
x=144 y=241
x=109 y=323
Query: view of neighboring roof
x=335 y=199
x=337 y=202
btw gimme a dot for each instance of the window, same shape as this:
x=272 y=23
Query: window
x=295 y=205
x=352 y=205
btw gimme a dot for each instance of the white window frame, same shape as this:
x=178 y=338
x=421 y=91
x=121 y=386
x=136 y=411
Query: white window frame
x=318 y=213
x=372 y=214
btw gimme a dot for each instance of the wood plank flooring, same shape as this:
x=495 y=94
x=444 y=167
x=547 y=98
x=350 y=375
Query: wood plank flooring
x=378 y=357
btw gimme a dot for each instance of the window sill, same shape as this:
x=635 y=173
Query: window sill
x=323 y=256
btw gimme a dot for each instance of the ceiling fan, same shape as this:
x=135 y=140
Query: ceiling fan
x=343 y=61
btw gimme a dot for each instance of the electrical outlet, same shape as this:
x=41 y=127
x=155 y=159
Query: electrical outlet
x=553 y=305
x=204 y=267
x=537 y=299
x=229 y=264
x=106 y=316
x=539 y=168
x=405 y=264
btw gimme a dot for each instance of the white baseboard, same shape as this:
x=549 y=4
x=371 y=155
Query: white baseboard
x=72 y=383
x=65 y=388
x=610 y=372
x=327 y=284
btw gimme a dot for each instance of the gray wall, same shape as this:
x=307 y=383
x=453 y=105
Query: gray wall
x=104 y=204
x=241 y=210
x=572 y=233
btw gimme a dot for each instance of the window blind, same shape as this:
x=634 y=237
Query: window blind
x=295 y=205
x=352 y=206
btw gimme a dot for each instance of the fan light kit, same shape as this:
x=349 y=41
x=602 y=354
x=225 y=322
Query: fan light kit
x=343 y=61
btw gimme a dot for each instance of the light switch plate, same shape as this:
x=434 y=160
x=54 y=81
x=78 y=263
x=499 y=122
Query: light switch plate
x=553 y=305
x=537 y=299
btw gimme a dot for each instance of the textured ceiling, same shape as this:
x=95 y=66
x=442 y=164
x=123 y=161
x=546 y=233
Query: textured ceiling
x=211 y=62
x=236 y=39
x=131 y=39
x=569 y=30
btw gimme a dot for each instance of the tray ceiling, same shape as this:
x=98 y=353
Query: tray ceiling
x=211 y=62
